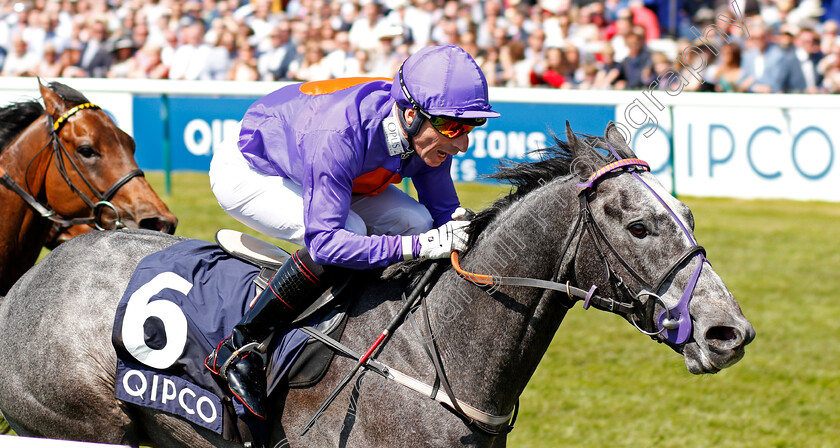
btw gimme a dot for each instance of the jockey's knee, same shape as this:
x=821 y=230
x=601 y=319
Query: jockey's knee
x=409 y=221
x=355 y=224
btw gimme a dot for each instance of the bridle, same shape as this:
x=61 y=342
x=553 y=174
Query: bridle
x=59 y=152
x=672 y=324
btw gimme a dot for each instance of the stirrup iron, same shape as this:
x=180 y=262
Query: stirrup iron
x=259 y=348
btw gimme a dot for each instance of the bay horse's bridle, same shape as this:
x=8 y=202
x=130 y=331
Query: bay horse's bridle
x=58 y=152
x=674 y=323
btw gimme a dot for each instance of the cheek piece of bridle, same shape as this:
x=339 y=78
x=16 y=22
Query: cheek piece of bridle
x=672 y=324
x=59 y=152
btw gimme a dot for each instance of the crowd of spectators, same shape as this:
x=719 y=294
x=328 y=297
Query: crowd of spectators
x=707 y=45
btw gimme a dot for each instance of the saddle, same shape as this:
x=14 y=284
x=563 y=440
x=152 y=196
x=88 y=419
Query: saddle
x=327 y=315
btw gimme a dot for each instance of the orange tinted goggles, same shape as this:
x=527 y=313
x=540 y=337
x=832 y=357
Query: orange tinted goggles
x=449 y=128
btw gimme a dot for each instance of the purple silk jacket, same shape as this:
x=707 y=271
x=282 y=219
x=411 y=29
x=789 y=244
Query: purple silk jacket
x=331 y=137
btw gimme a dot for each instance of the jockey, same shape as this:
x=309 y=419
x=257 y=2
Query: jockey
x=314 y=165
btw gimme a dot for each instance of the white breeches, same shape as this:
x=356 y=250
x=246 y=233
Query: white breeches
x=273 y=205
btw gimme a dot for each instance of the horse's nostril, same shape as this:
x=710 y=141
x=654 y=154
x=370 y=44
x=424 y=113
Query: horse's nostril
x=157 y=224
x=721 y=333
x=724 y=338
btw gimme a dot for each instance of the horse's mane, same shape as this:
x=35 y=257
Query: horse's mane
x=17 y=116
x=554 y=162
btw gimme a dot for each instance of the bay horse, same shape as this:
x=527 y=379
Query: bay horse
x=66 y=163
x=619 y=236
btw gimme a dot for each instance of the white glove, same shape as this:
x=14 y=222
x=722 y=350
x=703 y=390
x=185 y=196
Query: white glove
x=440 y=242
x=463 y=214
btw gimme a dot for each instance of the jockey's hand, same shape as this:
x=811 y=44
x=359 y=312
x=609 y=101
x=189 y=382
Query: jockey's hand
x=440 y=242
x=463 y=214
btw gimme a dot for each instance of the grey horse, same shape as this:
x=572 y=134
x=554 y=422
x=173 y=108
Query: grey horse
x=59 y=366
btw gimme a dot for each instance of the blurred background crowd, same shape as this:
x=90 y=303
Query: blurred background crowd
x=699 y=45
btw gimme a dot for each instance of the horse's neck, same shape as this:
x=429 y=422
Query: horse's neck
x=22 y=232
x=491 y=345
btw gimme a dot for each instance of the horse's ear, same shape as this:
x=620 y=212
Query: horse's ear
x=54 y=104
x=618 y=141
x=582 y=162
x=572 y=139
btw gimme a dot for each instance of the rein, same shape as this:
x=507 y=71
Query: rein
x=674 y=322
x=59 y=152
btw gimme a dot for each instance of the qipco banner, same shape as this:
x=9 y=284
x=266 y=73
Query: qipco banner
x=738 y=150
x=756 y=152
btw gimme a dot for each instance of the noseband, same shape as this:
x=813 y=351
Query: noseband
x=58 y=152
x=673 y=324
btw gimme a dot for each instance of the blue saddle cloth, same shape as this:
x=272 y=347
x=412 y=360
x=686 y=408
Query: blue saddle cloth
x=180 y=303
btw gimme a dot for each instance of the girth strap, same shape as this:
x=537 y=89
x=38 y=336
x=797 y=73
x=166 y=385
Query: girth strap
x=476 y=415
x=413 y=321
x=440 y=373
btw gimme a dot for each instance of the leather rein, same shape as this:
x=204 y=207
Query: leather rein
x=59 y=152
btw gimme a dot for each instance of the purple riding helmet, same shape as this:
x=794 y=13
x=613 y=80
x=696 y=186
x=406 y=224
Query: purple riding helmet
x=442 y=81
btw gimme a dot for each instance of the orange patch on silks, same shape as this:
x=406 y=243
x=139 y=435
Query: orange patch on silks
x=374 y=182
x=334 y=85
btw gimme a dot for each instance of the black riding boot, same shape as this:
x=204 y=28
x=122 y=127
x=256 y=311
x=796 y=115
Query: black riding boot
x=294 y=287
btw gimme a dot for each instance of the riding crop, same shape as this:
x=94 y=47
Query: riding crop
x=395 y=322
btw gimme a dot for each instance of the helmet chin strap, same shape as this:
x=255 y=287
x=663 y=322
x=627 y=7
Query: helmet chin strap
x=410 y=129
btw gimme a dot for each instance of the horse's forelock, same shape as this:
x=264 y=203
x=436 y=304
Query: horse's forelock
x=67 y=93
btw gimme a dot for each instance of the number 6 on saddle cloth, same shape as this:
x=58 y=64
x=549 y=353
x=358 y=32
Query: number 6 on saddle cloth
x=181 y=300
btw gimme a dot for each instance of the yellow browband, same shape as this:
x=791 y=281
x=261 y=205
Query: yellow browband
x=63 y=119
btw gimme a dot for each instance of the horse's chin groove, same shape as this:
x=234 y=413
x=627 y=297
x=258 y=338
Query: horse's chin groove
x=697 y=362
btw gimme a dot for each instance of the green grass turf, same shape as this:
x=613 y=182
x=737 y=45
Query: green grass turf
x=602 y=384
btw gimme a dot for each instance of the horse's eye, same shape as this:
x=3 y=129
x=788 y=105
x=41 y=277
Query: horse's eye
x=638 y=230
x=86 y=151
